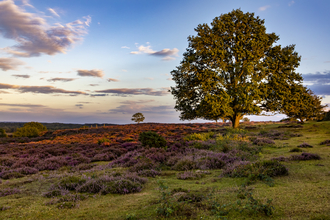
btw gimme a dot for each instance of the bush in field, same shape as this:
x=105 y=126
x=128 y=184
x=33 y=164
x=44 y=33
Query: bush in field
x=3 y=133
x=102 y=140
x=71 y=182
x=199 y=136
x=296 y=149
x=261 y=170
x=31 y=129
x=326 y=142
x=152 y=139
x=305 y=145
x=305 y=156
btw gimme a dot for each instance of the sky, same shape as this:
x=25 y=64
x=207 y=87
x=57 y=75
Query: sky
x=101 y=61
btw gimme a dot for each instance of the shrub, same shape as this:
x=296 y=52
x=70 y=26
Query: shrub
x=71 y=182
x=263 y=141
x=8 y=191
x=3 y=133
x=152 y=139
x=296 y=149
x=102 y=140
x=199 y=136
x=258 y=171
x=326 y=142
x=186 y=163
x=305 y=145
x=149 y=173
x=31 y=129
x=305 y=156
x=10 y=174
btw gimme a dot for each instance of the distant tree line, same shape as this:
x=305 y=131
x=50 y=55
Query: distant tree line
x=11 y=127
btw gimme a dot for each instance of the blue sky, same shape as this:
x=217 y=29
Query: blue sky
x=83 y=61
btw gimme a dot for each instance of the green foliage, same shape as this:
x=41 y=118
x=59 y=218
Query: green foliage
x=252 y=205
x=152 y=139
x=3 y=133
x=166 y=206
x=303 y=104
x=102 y=140
x=233 y=68
x=138 y=117
x=199 y=136
x=31 y=129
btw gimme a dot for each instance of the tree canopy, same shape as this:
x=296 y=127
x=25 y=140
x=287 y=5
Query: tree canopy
x=138 y=117
x=303 y=104
x=234 y=68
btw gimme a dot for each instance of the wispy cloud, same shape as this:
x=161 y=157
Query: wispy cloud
x=22 y=105
x=79 y=105
x=92 y=73
x=61 y=79
x=166 y=54
x=33 y=35
x=112 y=80
x=9 y=63
x=125 y=47
x=51 y=10
x=131 y=107
x=291 y=3
x=264 y=8
x=138 y=91
x=149 y=78
x=22 y=76
x=40 y=89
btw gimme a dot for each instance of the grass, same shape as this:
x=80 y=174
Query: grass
x=303 y=194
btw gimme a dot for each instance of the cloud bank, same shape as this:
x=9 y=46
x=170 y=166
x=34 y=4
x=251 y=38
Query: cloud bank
x=137 y=91
x=40 y=89
x=34 y=36
x=318 y=82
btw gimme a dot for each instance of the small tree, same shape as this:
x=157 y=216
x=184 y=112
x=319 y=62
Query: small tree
x=31 y=129
x=138 y=117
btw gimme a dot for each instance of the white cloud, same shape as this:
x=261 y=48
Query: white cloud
x=125 y=47
x=264 y=8
x=291 y=3
x=166 y=53
x=53 y=12
x=149 y=78
x=34 y=36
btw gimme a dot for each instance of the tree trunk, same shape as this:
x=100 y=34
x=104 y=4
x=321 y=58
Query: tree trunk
x=235 y=120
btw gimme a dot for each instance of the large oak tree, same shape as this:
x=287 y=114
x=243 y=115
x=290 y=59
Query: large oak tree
x=234 y=68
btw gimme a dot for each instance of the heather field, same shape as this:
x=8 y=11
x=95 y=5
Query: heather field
x=169 y=171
